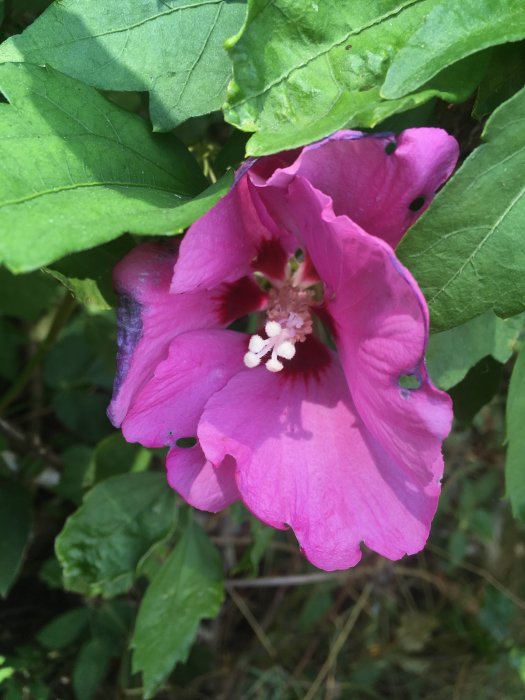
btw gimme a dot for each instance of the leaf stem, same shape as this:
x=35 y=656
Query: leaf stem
x=62 y=314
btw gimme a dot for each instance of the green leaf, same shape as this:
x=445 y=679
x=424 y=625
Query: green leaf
x=451 y=31
x=188 y=588
x=116 y=456
x=302 y=70
x=91 y=171
x=467 y=250
x=26 y=296
x=78 y=466
x=82 y=413
x=91 y=667
x=88 y=275
x=15 y=526
x=452 y=353
x=515 y=463
x=119 y=521
x=503 y=79
x=10 y=351
x=174 y=49
x=477 y=389
x=64 y=629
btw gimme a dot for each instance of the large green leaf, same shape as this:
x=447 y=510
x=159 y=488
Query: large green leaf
x=173 y=48
x=452 y=353
x=26 y=296
x=515 y=464
x=305 y=69
x=120 y=520
x=15 y=526
x=77 y=171
x=188 y=588
x=451 y=31
x=468 y=250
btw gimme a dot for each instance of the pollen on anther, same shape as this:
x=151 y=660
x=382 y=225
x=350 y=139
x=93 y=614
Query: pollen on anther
x=286 y=350
x=272 y=328
x=251 y=360
x=274 y=365
x=256 y=343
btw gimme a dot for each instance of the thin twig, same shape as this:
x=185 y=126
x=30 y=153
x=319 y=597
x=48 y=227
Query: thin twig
x=484 y=574
x=340 y=641
x=256 y=627
x=297 y=580
x=62 y=314
x=24 y=445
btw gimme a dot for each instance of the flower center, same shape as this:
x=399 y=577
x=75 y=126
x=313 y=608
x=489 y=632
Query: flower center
x=288 y=322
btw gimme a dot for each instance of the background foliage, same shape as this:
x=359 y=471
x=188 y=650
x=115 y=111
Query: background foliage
x=111 y=587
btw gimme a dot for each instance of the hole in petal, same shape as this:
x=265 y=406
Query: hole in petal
x=299 y=255
x=390 y=148
x=416 y=204
x=410 y=381
x=186 y=442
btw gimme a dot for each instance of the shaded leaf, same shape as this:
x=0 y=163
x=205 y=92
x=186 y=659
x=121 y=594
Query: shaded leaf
x=119 y=520
x=10 y=351
x=468 y=250
x=88 y=275
x=188 y=588
x=91 y=667
x=91 y=171
x=82 y=413
x=515 y=464
x=64 y=629
x=304 y=70
x=116 y=456
x=452 y=353
x=26 y=296
x=452 y=30
x=174 y=49
x=476 y=389
x=15 y=526
x=504 y=77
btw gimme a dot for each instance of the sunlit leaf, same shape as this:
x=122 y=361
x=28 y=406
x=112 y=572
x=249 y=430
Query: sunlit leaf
x=468 y=250
x=174 y=49
x=77 y=171
x=302 y=70
x=188 y=588
x=119 y=520
x=451 y=31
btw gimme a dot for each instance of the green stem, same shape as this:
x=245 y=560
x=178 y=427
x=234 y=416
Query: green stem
x=62 y=314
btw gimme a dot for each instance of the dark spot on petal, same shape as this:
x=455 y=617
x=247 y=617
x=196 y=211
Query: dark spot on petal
x=416 y=204
x=299 y=255
x=348 y=47
x=311 y=358
x=390 y=148
x=186 y=442
x=239 y=299
x=271 y=259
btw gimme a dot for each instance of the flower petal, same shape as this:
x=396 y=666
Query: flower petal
x=305 y=459
x=149 y=317
x=221 y=245
x=201 y=484
x=381 y=327
x=169 y=406
x=381 y=182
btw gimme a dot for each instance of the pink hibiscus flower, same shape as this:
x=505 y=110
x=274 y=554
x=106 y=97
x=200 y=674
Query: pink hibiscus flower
x=303 y=417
